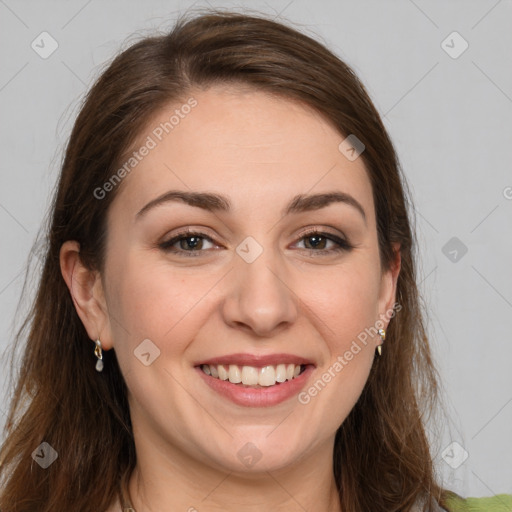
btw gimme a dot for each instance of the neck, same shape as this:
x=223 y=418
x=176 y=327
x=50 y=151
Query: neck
x=172 y=481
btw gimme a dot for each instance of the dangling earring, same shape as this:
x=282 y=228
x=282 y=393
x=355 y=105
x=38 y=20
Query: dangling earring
x=382 y=333
x=99 y=354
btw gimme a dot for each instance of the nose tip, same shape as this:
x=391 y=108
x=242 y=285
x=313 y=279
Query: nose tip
x=259 y=299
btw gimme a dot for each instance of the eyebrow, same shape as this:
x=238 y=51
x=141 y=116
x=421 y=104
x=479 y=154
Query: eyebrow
x=216 y=202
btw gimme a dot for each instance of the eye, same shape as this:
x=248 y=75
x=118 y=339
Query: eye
x=188 y=242
x=323 y=243
x=191 y=243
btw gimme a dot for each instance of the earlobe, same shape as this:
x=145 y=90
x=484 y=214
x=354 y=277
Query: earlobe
x=86 y=292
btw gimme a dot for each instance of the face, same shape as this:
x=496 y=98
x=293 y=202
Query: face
x=260 y=264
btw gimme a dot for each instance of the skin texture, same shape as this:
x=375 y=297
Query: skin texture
x=259 y=151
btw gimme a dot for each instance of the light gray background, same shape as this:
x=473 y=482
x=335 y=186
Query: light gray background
x=450 y=119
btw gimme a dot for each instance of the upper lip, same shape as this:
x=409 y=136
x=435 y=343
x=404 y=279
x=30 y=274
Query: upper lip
x=256 y=360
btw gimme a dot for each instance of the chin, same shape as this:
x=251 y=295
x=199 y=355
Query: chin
x=259 y=452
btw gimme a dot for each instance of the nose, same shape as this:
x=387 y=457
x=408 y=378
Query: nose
x=259 y=299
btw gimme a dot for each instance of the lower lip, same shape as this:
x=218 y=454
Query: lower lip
x=258 y=397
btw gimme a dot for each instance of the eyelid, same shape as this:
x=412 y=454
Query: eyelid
x=341 y=241
x=168 y=241
x=190 y=231
x=320 y=230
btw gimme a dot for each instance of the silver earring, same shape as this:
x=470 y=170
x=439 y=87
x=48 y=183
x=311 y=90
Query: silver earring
x=382 y=334
x=99 y=354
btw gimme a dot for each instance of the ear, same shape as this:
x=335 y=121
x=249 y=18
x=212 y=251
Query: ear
x=87 y=293
x=387 y=296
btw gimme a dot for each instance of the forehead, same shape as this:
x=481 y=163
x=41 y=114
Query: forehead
x=244 y=143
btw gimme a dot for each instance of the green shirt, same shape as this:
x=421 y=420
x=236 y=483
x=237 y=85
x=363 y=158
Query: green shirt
x=498 y=503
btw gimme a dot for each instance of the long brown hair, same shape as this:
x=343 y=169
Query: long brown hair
x=382 y=459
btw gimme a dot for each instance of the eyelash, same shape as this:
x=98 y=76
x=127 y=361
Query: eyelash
x=342 y=245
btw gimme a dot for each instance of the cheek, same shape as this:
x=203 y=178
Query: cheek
x=152 y=300
x=346 y=303
x=343 y=306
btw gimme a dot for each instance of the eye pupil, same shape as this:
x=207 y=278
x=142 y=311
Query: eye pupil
x=191 y=242
x=316 y=241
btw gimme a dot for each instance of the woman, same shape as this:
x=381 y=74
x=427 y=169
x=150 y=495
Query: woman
x=231 y=231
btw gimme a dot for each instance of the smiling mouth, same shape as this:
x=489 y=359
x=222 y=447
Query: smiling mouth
x=253 y=376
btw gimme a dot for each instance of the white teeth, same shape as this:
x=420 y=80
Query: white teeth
x=268 y=376
x=223 y=373
x=235 y=375
x=251 y=375
x=281 y=373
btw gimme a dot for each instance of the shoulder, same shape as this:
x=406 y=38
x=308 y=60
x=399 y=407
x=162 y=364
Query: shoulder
x=498 y=503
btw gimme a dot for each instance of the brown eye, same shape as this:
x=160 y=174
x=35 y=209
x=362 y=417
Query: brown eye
x=188 y=243
x=315 y=242
x=324 y=243
x=191 y=242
